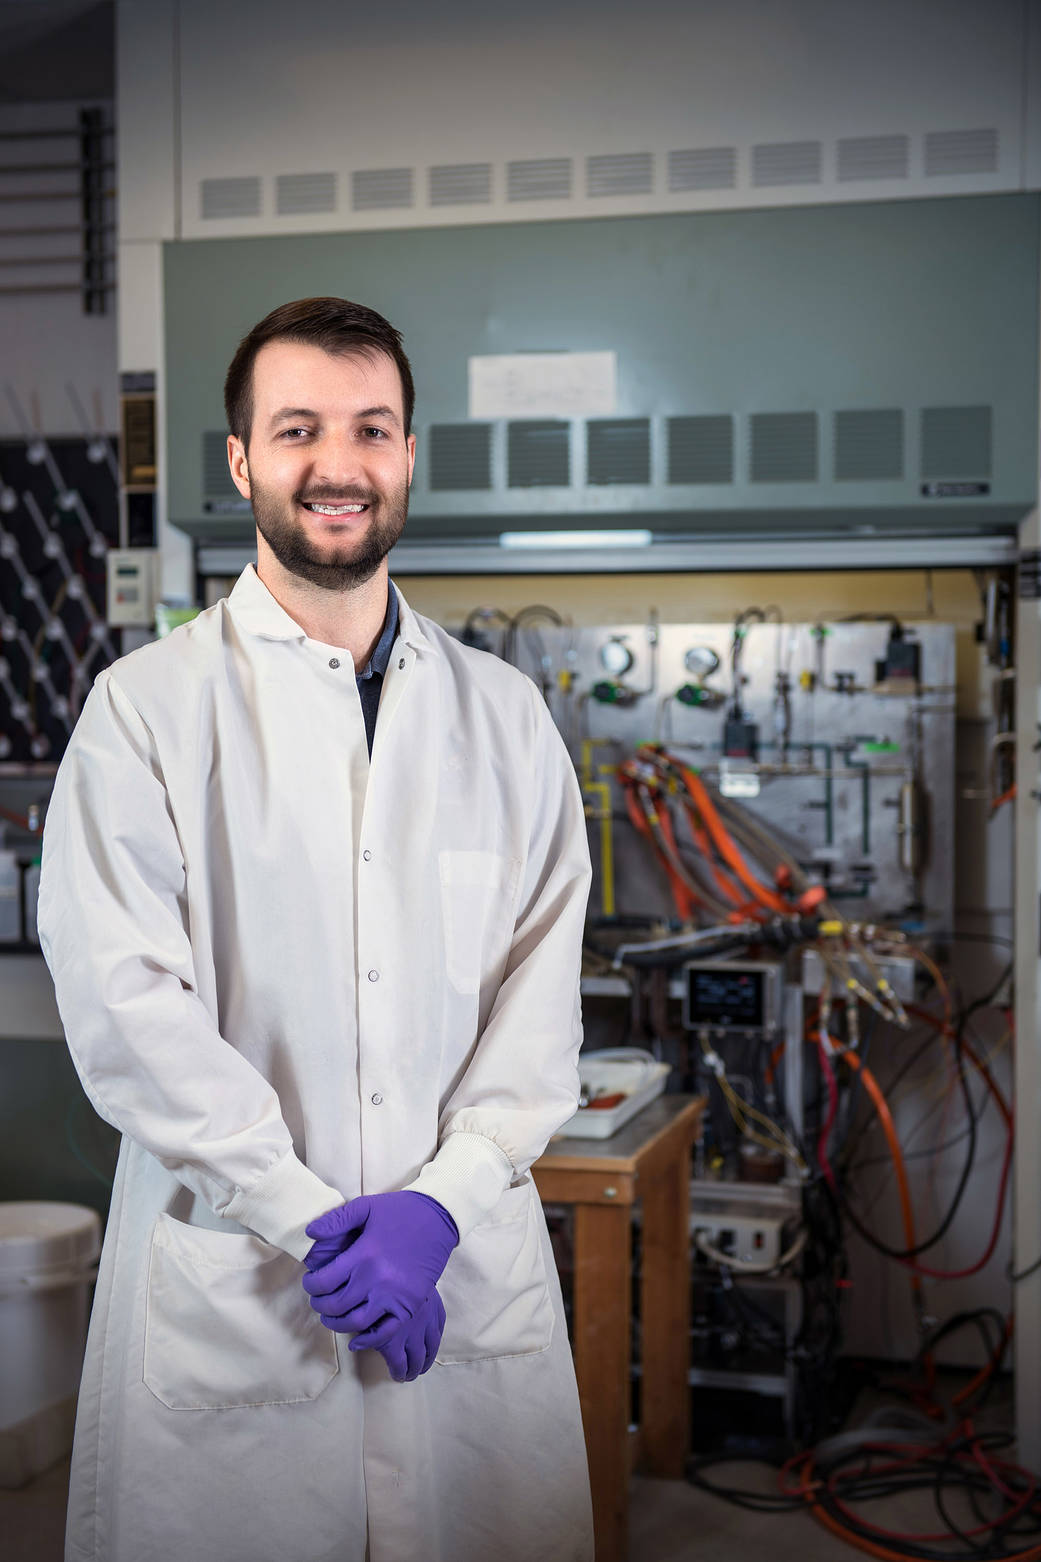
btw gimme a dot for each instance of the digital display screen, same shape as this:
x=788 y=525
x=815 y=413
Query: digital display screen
x=726 y=997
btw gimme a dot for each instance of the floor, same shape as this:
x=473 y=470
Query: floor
x=669 y=1521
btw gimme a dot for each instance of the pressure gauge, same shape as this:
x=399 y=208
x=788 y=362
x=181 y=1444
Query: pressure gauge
x=701 y=660
x=616 y=657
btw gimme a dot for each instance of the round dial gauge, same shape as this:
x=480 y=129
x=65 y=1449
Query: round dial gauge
x=701 y=660
x=616 y=658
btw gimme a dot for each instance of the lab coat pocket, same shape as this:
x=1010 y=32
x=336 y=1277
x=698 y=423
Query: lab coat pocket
x=494 y=1288
x=228 y=1323
x=477 y=890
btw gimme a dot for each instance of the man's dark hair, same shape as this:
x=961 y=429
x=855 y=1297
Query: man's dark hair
x=333 y=324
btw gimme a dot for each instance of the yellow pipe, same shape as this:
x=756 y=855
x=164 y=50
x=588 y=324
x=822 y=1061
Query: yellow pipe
x=606 y=841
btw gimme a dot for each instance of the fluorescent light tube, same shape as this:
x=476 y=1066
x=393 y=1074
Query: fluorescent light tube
x=587 y=539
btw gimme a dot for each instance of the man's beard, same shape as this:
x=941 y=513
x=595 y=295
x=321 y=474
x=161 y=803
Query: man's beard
x=336 y=567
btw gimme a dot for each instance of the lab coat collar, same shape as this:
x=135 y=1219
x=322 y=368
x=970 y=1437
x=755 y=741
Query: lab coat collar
x=255 y=610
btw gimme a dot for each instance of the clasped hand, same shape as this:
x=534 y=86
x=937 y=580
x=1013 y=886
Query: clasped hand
x=373 y=1272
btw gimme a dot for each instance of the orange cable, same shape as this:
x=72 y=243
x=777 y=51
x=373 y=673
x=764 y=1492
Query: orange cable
x=725 y=845
x=885 y=1117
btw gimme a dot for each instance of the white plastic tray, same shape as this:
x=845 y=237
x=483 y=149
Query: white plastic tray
x=638 y=1074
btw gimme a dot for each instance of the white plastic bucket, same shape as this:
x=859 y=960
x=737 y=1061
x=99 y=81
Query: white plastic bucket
x=48 y=1254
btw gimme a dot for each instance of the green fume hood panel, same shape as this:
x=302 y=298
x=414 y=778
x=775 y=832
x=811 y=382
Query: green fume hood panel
x=831 y=369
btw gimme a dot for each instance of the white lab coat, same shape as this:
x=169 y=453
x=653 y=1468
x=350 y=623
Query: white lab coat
x=291 y=975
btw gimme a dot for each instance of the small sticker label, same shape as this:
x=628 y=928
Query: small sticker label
x=543 y=385
x=735 y=781
x=954 y=490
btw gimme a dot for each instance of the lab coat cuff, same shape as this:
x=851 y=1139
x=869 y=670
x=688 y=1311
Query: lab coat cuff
x=468 y=1176
x=280 y=1205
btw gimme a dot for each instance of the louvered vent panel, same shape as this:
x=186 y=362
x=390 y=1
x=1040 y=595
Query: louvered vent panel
x=539 y=179
x=956 y=441
x=621 y=173
x=869 y=445
x=961 y=152
x=378 y=189
x=784 y=447
x=216 y=479
x=703 y=168
x=701 y=449
x=538 y=454
x=874 y=157
x=461 y=184
x=298 y=194
x=460 y=455
x=231 y=197
x=787 y=162
x=618 y=450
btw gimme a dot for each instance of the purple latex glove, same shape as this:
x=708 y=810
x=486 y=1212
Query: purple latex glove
x=408 y=1348
x=378 y=1256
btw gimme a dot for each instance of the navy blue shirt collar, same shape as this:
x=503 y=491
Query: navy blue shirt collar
x=380 y=657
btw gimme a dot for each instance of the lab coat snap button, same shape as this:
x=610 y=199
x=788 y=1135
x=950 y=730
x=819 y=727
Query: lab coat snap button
x=401 y=664
x=374 y=976
x=377 y=1099
x=334 y=661
x=367 y=856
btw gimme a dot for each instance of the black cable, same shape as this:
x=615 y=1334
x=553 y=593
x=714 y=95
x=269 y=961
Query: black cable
x=927 y=1473
x=970 y=1157
x=753 y=1502
x=930 y=1150
x=943 y=1471
x=959 y=1192
x=913 y=1155
x=972 y=938
x=931 y=1038
x=853 y=1099
x=1023 y=1274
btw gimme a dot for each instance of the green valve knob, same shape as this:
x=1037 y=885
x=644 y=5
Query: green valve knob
x=691 y=694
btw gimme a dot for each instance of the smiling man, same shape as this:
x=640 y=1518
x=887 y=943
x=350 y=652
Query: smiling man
x=313 y=892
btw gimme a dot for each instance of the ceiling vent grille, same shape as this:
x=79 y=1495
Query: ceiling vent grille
x=620 y=173
x=539 y=179
x=216 y=479
x=379 y=189
x=961 y=152
x=538 y=454
x=460 y=456
x=461 y=184
x=701 y=449
x=874 y=157
x=787 y=162
x=618 y=450
x=869 y=445
x=784 y=447
x=703 y=168
x=297 y=194
x=956 y=441
x=231 y=197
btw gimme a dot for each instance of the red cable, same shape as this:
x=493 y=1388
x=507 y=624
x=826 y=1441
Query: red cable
x=963 y=1274
x=1006 y=1165
x=802 y=1464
